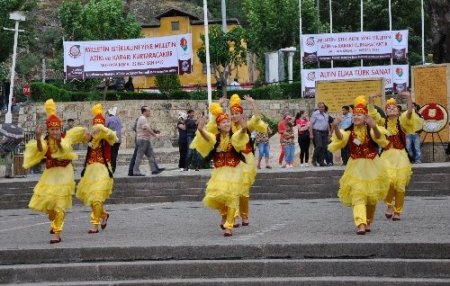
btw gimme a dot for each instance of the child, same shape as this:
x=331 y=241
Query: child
x=363 y=183
x=262 y=141
x=53 y=192
x=96 y=183
x=225 y=148
x=289 y=145
x=394 y=154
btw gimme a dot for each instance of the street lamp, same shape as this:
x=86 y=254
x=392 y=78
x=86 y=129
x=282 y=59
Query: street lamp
x=15 y=16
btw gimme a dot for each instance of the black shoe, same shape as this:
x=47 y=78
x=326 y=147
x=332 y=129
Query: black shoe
x=139 y=174
x=161 y=169
x=130 y=174
x=156 y=172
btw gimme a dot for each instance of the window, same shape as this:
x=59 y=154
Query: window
x=175 y=26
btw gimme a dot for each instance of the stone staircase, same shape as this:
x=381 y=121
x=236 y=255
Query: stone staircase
x=381 y=264
x=314 y=183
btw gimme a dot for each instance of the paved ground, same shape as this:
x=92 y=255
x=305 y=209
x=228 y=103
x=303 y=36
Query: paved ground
x=426 y=219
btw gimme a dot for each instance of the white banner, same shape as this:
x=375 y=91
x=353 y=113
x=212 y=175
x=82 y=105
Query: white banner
x=396 y=77
x=355 y=46
x=146 y=56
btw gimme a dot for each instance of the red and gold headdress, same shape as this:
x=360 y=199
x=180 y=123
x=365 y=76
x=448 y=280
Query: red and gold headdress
x=53 y=121
x=235 y=104
x=218 y=113
x=97 y=113
x=360 y=105
x=391 y=101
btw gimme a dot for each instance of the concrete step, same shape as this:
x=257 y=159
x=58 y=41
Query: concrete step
x=172 y=186
x=176 y=269
x=279 y=281
x=314 y=251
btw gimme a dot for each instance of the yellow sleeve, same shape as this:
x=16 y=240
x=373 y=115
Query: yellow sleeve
x=239 y=141
x=379 y=120
x=211 y=126
x=410 y=126
x=102 y=132
x=336 y=143
x=383 y=140
x=202 y=146
x=32 y=156
x=256 y=124
x=76 y=135
x=66 y=151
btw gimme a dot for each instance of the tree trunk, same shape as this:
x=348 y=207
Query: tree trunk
x=440 y=30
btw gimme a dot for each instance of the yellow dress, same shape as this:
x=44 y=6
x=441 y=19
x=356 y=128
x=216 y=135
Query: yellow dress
x=364 y=179
x=249 y=168
x=225 y=185
x=56 y=186
x=395 y=158
x=96 y=185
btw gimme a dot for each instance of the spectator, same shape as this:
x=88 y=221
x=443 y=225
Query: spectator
x=235 y=85
x=328 y=154
x=346 y=122
x=182 y=140
x=262 y=141
x=289 y=145
x=193 y=159
x=302 y=121
x=113 y=122
x=129 y=86
x=413 y=139
x=281 y=128
x=319 y=131
x=70 y=125
x=144 y=147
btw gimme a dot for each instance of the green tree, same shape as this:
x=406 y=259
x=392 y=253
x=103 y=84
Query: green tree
x=7 y=37
x=227 y=51
x=274 y=24
x=98 y=20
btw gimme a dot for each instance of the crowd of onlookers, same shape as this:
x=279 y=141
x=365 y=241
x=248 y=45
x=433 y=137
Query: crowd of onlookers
x=306 y=131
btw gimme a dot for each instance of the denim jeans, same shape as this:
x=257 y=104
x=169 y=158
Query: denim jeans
x=289 y=150
x=263 y=149
x=413 y=147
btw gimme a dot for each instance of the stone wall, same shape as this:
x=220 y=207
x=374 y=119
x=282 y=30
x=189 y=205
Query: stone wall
x=164 y=114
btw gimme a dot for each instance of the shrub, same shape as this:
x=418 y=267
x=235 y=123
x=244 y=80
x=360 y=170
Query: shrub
x=168 y=84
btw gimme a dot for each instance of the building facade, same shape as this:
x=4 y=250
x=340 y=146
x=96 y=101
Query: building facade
x=174 y=22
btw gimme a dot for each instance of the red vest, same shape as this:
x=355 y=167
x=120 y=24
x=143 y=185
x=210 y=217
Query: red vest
x=367 y=149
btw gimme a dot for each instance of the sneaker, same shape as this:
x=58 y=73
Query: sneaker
x=156 y=172
x=302 y=165
x=181 y=169
x=268 y=167
x=306 y=165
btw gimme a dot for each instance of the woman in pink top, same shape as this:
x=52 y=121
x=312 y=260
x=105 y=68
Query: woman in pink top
x=302 y=121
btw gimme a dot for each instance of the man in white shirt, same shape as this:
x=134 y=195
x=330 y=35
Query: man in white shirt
x=235 y=85
x=144 y=147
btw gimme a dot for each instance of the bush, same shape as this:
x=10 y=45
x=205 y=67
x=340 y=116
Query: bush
x=42 y=91
x=168 y=84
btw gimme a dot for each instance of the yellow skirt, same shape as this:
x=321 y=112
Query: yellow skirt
x=398 y=168
x=224 y=187
x=95 y=185
x=249 y=175
x=54 y=189
x=364 y=181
